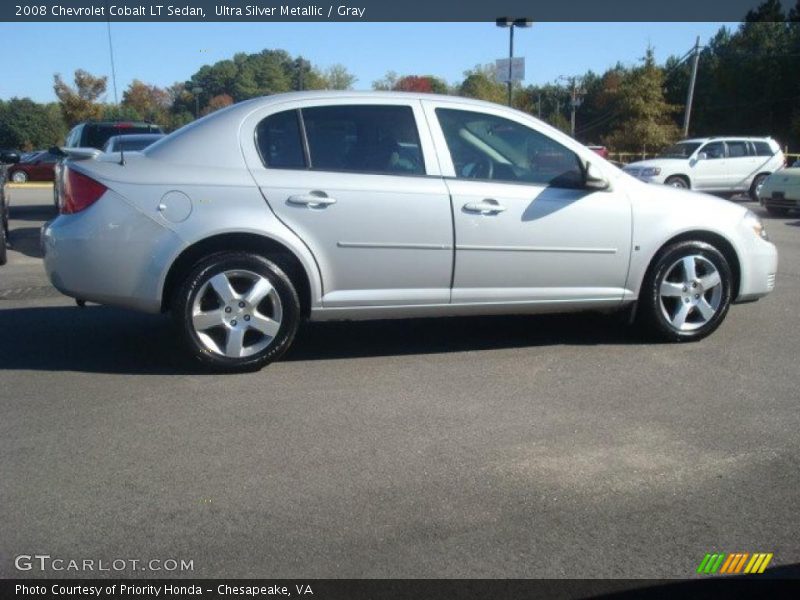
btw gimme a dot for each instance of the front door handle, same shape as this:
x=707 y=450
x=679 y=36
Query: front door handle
x=485 y=207
x=312 y=200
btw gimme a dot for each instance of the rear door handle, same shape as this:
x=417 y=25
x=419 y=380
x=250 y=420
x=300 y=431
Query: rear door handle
x=312 y=200
x=485 y=207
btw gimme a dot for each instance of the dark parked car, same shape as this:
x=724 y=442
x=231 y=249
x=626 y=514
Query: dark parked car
x=39 y=167
x=8 y=156
x=95 y=134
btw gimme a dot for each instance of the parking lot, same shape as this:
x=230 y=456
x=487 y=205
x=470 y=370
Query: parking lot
x=552 y=446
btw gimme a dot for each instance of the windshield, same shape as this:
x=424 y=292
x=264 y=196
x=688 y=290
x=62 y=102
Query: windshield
x=680 y=150
x=26 y=158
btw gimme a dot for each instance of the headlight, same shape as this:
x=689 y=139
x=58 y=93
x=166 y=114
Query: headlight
x=752 y=220
x=650 y=171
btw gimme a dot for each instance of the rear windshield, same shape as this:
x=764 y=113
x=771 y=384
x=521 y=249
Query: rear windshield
x=96 y=135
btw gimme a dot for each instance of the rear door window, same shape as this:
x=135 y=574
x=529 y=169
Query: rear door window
x=737 y=149
x=280 y=142
x=364 y=139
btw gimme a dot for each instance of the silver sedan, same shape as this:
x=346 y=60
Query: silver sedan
x=346 y=205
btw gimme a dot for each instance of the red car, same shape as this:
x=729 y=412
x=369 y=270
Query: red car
x=601 y=150
x=39 y=167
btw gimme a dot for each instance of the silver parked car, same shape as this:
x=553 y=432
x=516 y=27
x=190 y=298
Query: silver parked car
x=346 y=205
x=134 y=142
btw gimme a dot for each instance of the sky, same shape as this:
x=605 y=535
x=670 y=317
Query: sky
x=163 y=53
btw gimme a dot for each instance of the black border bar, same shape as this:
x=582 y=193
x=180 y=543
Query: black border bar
x=762 y=586
x=376 y=10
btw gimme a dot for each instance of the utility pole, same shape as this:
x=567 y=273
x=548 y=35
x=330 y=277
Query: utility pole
x=690 y=95
x=539 y=105
x=576 y=99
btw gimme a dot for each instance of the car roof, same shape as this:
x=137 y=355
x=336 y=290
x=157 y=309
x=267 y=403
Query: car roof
x=723 y=138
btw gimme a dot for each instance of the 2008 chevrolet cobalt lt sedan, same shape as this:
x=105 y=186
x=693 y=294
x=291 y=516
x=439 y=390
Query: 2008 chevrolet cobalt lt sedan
x=345 y=205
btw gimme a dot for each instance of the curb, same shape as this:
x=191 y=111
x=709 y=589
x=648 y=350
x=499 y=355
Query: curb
x=28 y=186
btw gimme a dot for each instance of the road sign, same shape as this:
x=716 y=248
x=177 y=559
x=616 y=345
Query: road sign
x=517 y=69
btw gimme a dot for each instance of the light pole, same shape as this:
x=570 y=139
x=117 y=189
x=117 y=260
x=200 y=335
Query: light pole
x=196 y=90
x=511 y=23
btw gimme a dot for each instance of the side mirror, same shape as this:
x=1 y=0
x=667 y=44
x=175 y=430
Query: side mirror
x=702 y=156
x=594 y=179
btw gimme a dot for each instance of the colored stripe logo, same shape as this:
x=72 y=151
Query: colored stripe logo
x=734 y=563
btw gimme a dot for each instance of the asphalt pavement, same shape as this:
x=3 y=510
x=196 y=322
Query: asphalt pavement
x=499 y=447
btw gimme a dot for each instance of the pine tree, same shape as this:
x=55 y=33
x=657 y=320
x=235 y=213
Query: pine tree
x=646 y=119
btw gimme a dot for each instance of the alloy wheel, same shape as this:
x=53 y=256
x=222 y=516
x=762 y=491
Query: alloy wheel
x=690 y=293
x=237 y=313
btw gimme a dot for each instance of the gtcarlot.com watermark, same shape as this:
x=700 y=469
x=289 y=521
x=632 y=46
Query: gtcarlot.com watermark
x=44 y=563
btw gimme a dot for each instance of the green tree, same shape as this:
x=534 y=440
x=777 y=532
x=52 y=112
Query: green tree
x=337 y=77
x=149 y=102
x=480 y=83
x=647 y=119
x=80 y=103
x=27 y=125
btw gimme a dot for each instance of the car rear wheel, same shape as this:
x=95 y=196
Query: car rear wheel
x=687 y=292
x=677 y=181
x=236 y=311
x=755 y=187
x=19 y=177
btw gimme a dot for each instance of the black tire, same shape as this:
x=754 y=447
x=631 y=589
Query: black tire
x=228 y=264
x=775 y=211
x=757 y=181
x=654 y=309
x=677 y=181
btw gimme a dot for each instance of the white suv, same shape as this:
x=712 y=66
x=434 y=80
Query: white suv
x=720 y=165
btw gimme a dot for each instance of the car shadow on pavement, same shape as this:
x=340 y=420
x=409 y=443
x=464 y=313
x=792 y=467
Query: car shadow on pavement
x=26 y=240
x=31 y=213
x=321 y=341
x=109 y=340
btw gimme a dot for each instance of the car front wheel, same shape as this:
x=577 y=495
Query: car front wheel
x=236 y=311
x=677 y=182
x=19 y=177
x=687 y=293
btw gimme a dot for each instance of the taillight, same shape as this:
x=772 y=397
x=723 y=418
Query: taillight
x=80 y=192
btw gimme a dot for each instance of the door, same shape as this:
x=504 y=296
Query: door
x=742 y=165
x=526 y=227
x=359 y=184
x=711 y=172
